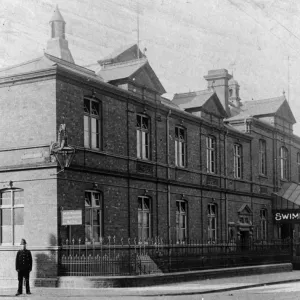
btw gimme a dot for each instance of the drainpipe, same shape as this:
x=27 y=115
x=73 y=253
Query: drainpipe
x=225 y=182
x=168 y=177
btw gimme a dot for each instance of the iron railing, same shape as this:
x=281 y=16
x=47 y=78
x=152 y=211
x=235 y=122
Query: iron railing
x=112 y=258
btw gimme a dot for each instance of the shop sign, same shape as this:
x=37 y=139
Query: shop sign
x=286 y=216
x=71 y=217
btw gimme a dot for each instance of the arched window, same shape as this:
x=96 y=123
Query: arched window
x=142 y=136
x=262 y=157
x=93 y=216
x=181 y=220
x=11 y=216
x=283 y=163
x=263 y=224
x=180 y=146
x=237 y=161
x=144 y=218
x=212 y=222
x=211 y=154
x=92 y=123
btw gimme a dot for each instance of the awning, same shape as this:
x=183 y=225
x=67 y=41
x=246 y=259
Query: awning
x=290 y=191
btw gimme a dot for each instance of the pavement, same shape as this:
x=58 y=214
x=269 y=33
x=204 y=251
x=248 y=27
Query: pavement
x=200 y=287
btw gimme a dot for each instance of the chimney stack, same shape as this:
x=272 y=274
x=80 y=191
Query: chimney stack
x=218 y=81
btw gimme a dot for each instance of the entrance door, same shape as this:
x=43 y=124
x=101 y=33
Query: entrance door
x=286 y=231
x=244 y=235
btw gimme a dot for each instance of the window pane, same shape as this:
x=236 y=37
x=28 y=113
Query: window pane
x=176 y=132
x=18 y=197
x=145 y=234
x=96 y=233
x=18 y=233
x=146 y=204
x=145 y=121
x=86 y=132
x=19 y=216
x=140 y=218
x=96 y=216
x=138 y=144
x=95 y=133
x=88 y=216
x=87 y=106
x=88 y=201
x=6 y=217
x=176 y=153
x=96 y=199
x=5 y=198
x=6 y=234
x=140 y=232
x=138 y=121
x=88 y=233
x=146 y=220
x=143 y=144
x=95 y=108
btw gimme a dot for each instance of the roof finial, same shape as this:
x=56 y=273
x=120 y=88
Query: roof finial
x=283 y=93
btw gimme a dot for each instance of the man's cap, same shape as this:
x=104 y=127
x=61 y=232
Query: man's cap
x=23 y=242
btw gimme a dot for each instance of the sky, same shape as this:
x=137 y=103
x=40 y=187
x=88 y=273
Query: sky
x=258 y=41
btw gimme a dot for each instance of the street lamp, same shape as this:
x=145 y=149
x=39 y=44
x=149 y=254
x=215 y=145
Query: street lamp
x=62 y=152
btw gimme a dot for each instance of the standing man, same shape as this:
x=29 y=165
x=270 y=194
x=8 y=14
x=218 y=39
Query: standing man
x=23 y=267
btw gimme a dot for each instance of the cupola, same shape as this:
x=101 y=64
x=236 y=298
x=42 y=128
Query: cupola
x=58 y=46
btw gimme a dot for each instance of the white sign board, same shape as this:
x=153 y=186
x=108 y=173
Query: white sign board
x=71 y=217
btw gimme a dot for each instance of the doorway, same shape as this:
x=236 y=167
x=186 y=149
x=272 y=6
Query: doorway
x=286 y=231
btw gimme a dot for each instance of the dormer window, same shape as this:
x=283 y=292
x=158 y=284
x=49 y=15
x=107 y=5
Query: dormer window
x=230 y=93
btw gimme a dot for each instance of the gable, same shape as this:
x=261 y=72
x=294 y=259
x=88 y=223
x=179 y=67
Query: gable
x=145 y=76
x=214 y=106
x=245 y=210
x=285 y=113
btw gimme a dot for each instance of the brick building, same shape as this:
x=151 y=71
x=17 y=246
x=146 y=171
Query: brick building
x=204 y=166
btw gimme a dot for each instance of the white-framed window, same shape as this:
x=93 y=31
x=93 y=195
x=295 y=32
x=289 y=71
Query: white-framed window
x=298 y=166
x=92 y=123
x=263 y=224
x=237 y=161
x=180 y=146
x=211 y=154
x=262 y=157
x=283 y=163
x=212 y=222
x=144 y=218
x=11 y=216
x=93 y=216
x=142 y=136
x=181 y=220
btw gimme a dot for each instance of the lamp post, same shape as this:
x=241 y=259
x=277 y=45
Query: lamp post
x=62 y=152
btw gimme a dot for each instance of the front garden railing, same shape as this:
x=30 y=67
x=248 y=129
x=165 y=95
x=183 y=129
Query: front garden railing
x=110 y=257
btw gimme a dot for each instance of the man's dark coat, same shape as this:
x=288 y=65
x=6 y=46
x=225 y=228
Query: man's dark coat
x=24 y=260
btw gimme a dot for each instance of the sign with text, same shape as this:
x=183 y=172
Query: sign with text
x=71 y=217
x=286 y=216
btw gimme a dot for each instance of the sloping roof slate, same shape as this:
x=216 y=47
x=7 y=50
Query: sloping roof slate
x=45 y=62
x=193 y=99
x=259 y=107
x=121 y=70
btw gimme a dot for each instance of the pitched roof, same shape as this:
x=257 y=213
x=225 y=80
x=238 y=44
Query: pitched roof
x=192 y=99
x=198 y=100
x=45 y=62
x=262 y=107
x=121 y=70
